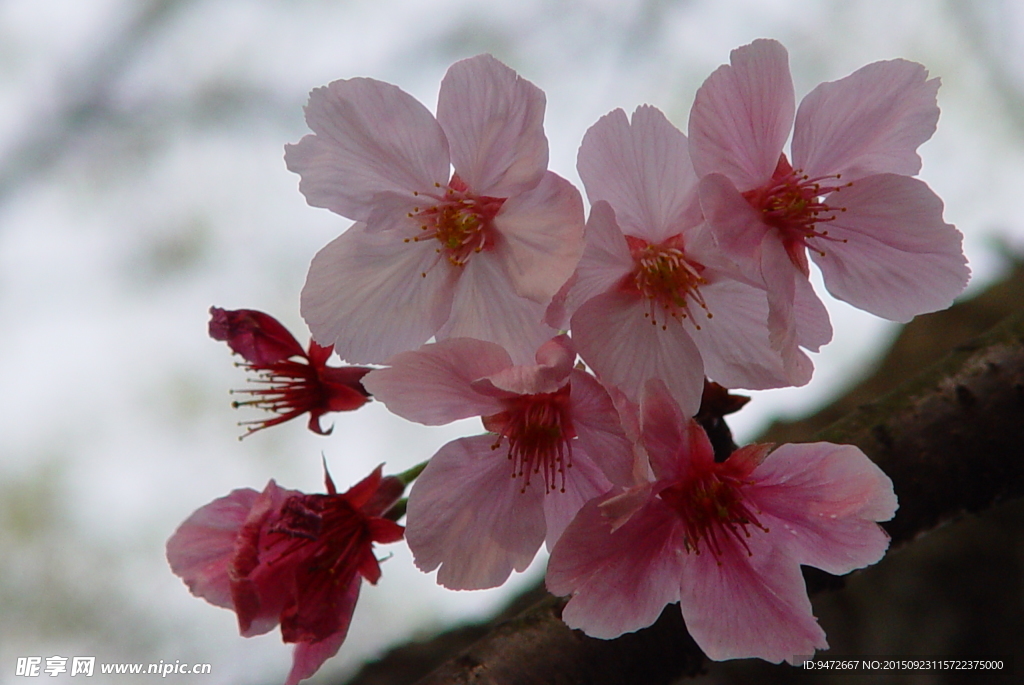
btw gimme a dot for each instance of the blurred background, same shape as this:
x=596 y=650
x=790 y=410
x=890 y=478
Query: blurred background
x=142 y=181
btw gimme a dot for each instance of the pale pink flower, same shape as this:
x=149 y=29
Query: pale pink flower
x=876 y=233
x=725 y=540
x=285 y=557
x=652 y=296
x=476 y=253
x=484 y=504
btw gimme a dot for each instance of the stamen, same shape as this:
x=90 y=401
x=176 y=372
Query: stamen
x=712 y=509
x=796 y=205
x=667 y=278
x=539 y=432
x=459 y=221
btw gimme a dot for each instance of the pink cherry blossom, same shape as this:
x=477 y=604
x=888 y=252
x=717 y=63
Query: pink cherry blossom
x=284 y=557
x=287 y=387
x=475 y=253
x=652 y=296
x=725 y=540
x=484 y=504
x=847 y=196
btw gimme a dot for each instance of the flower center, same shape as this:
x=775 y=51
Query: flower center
x=539 y=431
x=329 y=542
x=795 y=204
x=666 y=278
x=460 y=221
x=712 y=508
x=332 y=532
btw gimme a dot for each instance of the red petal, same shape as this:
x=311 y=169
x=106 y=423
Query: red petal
x=259 y=338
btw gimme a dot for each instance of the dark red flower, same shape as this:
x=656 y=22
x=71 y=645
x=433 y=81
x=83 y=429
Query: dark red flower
x=289 y=387
x=285 y=557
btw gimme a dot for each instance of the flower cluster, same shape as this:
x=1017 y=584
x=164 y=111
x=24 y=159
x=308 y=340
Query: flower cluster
x=473 y=281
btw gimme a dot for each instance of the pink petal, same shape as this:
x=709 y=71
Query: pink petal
x=735 y=344
x=555 y=360
x=676 y=445
x=813 y=328
x=821 y=503
x=643 y=171
x=201 y=549
x=781 y=277
x=310 y=656
x=432 y=385
x=368 y=137
x=736 y=226
x=742 y=115
x=620 y=581
x=605 y=262
x=625 y=349
x=541 y=237
x=583 y=482
x=371 y=295
x=494 y=120
x=870 y=122
x=468 y=516
x=891 y=253
x=486 y=307
x=599 y=430
x=619 y=507
x=740 y=605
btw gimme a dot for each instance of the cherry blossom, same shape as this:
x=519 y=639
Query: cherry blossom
x=725 y=540
x=475 y=253
x=652 y=296
x=284 y=557
x=484 y=504
x=287 y=387
x=847 y=197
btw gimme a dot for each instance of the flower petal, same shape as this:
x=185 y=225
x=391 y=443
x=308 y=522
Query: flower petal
x=494 y=120
x=781 y=278
x=605 y=262
x=813 y=327
x=259 y=338
x=486 y=307
x=742 y=115
x=676 y=445
x=643 y=171
x=583 y=482
x=368 y=137
x=308 y=657
x=736 y=226
x=201 y=549
x=821 y=503
x=372 y=295
x=735 y=343
x=432 y=384
x=598 y=428
x=260 y=589
x=620 y=581
x=870 y=122
x=541 y=237
x=891 y=253
x=468 y=516
x=744 y=604
x=625 y=349
x=554 y=363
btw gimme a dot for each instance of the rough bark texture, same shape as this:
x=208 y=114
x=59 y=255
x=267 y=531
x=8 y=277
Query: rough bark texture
x=950 y=438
